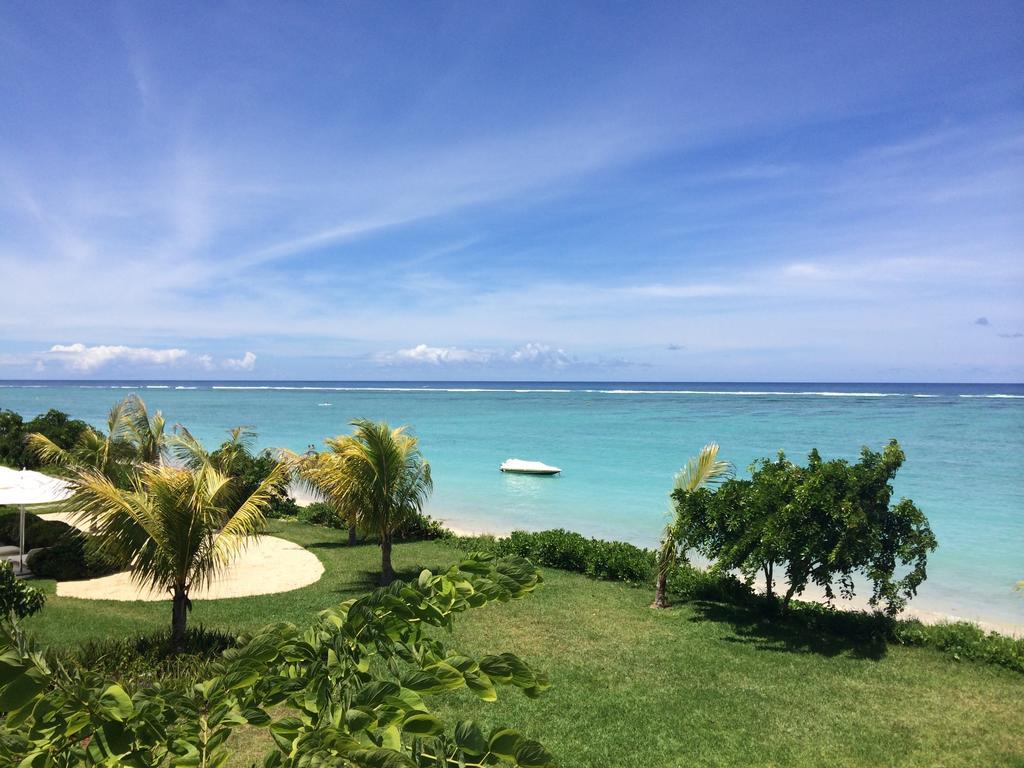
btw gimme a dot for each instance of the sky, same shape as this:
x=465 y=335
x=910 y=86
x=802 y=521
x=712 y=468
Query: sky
x=656 y=191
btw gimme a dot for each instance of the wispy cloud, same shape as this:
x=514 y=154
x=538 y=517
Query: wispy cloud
x=79 y=357
x=531 y=354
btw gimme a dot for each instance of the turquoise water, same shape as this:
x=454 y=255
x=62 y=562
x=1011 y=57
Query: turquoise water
x=619 y=445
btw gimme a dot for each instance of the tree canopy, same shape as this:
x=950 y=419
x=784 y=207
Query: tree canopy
x=827 y=523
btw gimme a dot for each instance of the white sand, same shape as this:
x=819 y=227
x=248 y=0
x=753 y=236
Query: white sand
x=268 y=565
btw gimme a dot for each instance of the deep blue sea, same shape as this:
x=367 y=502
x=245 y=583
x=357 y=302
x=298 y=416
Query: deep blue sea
x=620 y=444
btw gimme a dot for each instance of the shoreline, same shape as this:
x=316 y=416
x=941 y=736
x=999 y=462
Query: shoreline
x=812 y=594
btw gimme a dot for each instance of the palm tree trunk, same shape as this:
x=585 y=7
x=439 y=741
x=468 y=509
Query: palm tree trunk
x=179 y=618
x=351 y=534
x=387 y=573
x=660 y=600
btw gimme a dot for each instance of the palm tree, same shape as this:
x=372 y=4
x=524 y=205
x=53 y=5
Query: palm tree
x=132 y=437
x=175 y=527
x=377 y=475
x=700 y=471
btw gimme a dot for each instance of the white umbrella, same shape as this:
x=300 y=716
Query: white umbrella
x=27 y=487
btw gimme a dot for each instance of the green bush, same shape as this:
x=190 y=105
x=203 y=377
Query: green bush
x=609 y=560
x=421 y=527
x=418 y=527
x=141 y=661
x=16 y=596
x=71 y=558
x=320 y=513
x=963 y=640
x=38 y=532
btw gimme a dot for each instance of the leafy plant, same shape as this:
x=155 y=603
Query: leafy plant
x=376 y=476
x=17 y=597
x=701 y=471
x=321 y=513
x=347 y=691
x=822 y=524
x=147 y=660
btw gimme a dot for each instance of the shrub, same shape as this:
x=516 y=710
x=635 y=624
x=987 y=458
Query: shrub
x=38 y=532
x=71 y=558
x=610 y=560
x=420 y=527
x=320 y=513
x=141 y=661
x=962 y=640
x=16 y=596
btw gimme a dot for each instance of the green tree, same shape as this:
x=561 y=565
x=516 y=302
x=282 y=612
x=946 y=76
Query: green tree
x=822 y=524
x=175 y=528
x=57 y=426
x=376 y=475
x=704 y=469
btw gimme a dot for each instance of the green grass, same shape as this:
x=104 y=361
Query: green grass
x=695 y=685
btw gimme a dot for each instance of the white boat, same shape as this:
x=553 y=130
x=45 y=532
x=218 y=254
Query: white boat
x=520 y=467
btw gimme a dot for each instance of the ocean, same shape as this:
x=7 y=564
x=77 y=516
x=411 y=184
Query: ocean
x=619 y=445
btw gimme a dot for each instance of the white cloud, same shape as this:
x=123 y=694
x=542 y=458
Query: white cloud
x=530 y=354
x=422 y=353
x=244 y=363
x=541 y=354
x=79 y=357
x=86 y=359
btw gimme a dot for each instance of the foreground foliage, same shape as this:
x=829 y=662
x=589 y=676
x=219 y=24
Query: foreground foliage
x=347 y=691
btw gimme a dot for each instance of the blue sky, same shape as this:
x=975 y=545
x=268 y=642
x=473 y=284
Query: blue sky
x=615 y=191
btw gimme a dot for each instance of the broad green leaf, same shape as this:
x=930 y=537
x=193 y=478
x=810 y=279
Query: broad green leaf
x=504 y=742
x=470 y=738
x=422 y=724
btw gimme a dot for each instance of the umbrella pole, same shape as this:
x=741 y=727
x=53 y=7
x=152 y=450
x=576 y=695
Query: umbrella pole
x=21 y=540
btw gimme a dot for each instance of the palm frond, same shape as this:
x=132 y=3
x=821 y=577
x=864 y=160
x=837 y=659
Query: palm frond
x=703 y=470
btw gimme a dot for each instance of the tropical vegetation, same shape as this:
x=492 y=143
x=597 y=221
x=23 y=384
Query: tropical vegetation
x=387 y=678
x=347 y=691
x=701 y=471
x=376 y=476
x=56 y=426
x=712 y=680
x=175 y=528
x=133 y=437
x=826 y=524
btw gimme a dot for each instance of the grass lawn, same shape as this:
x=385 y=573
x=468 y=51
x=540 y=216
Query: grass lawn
x=632 y=687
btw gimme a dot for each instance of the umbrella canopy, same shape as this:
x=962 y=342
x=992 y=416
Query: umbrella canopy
x=22 y=487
